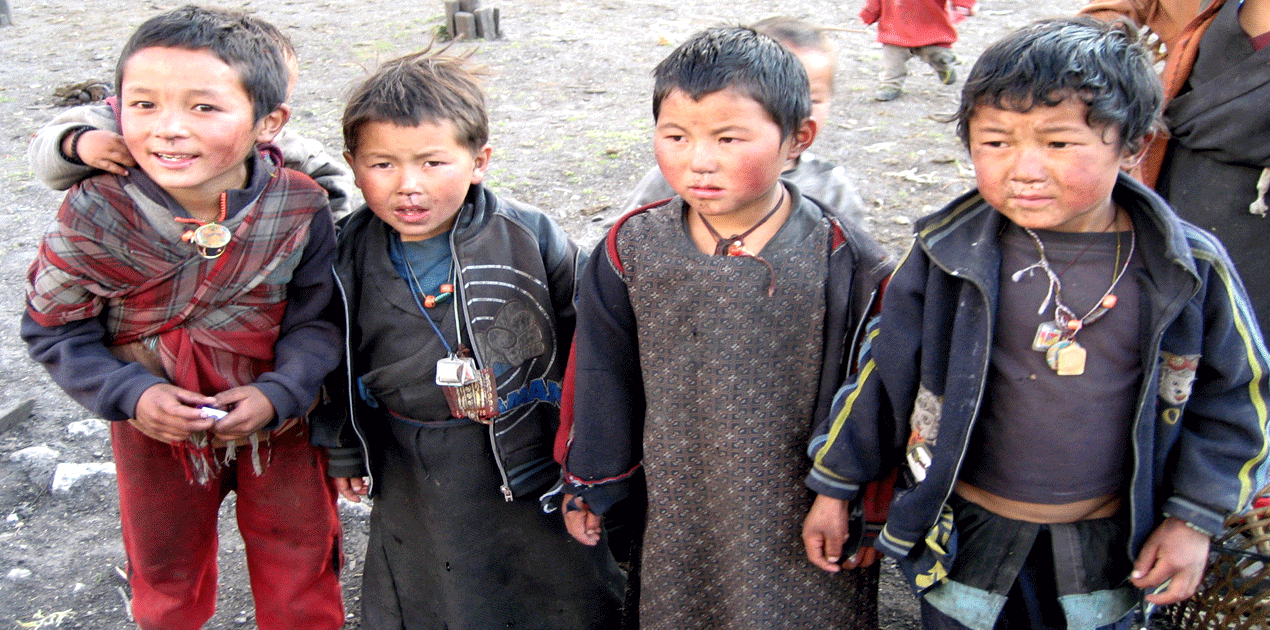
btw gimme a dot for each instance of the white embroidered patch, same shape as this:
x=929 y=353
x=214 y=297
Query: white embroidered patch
x=927 y=410
x=1177 y=374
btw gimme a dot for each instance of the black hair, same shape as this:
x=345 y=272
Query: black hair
x=740 y=59
x=249 y=45
x=425 y=86
x=1048 y=61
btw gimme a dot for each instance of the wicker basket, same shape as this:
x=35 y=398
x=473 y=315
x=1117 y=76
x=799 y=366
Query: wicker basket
x=1235 y=593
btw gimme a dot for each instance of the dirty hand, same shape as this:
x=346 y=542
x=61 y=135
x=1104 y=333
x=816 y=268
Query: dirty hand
x=351 y=488
x=103 y=150
x=248 y=408
x=1173 y=552
x=169 y=413
x=583 y=524
x=825 y=533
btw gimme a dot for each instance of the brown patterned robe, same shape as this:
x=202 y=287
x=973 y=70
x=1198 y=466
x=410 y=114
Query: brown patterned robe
x=730 y=378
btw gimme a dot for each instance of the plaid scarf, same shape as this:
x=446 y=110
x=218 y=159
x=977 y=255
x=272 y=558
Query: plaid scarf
x=116 y=248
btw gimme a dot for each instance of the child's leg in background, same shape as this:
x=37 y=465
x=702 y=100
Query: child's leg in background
x=941 y=59
x=894 y=70
x=291 y=530
x=169 y=532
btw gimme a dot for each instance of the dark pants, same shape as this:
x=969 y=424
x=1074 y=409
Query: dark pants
x=1032 y=603
x=287 y=517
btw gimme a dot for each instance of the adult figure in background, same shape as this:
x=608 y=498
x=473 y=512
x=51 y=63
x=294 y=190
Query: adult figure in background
x=1212 y=164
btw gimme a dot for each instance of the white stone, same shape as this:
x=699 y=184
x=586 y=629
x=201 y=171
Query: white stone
x=35 y=454
x=12 y=517
x=67 y=475
x=15 y=575
x=357 y=509
x=88 y=428
x=79 y=586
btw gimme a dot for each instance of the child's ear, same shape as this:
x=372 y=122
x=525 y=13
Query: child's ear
x=480 y=162
x=802 y=138
x=1130 y=161
x=269 y=126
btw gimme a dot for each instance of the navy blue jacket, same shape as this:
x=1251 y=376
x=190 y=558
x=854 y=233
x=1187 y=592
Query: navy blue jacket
x=1199 y=446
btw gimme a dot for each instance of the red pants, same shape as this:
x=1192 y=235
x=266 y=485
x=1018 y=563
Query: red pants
x=286 y=515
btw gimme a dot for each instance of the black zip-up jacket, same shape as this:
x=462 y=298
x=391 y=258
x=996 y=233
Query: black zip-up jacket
x=504 y=253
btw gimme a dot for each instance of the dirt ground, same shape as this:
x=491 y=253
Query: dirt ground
x=570 y=115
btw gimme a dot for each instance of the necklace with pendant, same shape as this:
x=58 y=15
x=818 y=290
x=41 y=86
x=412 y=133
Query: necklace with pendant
x=210 y=237
x=1057 y=338
x=735 y=245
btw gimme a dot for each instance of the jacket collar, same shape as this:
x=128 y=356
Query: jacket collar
x=962 y=237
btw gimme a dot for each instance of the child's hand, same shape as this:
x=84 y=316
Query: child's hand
x=1174 y=552
x=581 y=522
x=170 y=414
x=103 y=150
x=351 y=488
x=825 y=532
x=249 y=410
x=959 y=14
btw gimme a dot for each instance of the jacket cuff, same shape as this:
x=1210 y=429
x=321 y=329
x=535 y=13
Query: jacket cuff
x=868 y=17
x=282 y=402
x=131 y=395
x=832 y=486
x=1204 y=519
x=345 y=461
x=600 y=498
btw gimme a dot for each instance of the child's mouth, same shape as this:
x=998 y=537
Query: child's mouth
x=412 y=212
x=706 y=192
x=173 y=159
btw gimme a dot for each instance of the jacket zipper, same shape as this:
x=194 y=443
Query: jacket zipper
x=461 y=302
x=983 y=378
x=348 y=374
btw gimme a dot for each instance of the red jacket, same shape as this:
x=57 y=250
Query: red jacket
x=913 y=23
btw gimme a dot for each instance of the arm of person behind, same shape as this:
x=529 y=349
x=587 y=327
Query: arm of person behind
x=308 y=346
x=308 y=156
x=1165 y=19
x=652 y=187
x=607 y=393
x=101 y=149
x=871 y=11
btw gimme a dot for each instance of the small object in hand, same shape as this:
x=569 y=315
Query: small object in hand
x=213 y=413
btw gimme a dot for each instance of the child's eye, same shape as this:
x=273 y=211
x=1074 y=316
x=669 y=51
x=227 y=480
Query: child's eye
x=433 y=163
x=1059 y=144
x=727 y=140
x=381 y=165
x=141 y=105
x=204 y=107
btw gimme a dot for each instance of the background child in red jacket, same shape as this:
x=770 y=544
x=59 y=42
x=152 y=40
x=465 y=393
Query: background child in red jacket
x=915 y=28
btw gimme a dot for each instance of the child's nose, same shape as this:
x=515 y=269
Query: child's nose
x=411 y=181
x=702 y=158
x=1028 y=164
x=169 y=124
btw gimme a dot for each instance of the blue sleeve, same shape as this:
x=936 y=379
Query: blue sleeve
x=308 y=346
x=867 y=427
x=77 y=359
x=1219 y=461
